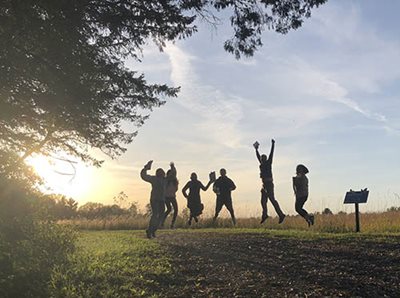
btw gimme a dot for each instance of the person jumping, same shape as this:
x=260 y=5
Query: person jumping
x=267 y=191
x=300 y=187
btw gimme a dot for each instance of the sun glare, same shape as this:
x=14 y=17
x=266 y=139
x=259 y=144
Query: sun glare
x=70 y=178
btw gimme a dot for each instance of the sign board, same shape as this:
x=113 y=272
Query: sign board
x=356 y=197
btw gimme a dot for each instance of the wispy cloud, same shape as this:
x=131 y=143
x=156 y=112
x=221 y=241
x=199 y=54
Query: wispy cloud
x=221 y=112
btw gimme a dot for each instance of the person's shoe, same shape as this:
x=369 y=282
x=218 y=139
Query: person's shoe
x=189 y=223
x=312 y=220
x=281 y=218
x=196 y=219
x=153 y=235
x=234 y=221
x=148 y=234
x=263 y=218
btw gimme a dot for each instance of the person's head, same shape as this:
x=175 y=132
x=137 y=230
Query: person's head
x=263 y=158
x=169 y=173
x=222 y=172
x=301 y=169
x=160 y=173
x=193 y=176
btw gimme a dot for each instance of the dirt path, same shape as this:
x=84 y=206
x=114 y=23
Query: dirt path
x=258 y=265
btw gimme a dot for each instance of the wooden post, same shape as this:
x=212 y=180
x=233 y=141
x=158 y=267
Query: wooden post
x=357 y=218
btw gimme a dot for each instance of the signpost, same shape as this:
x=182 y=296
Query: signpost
x=356 y=197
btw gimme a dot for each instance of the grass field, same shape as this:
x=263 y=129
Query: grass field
x=231 y=263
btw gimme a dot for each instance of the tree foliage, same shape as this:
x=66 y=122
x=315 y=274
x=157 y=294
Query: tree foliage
x=63 y=82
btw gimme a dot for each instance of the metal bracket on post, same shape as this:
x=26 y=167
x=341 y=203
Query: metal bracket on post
x=356 y=197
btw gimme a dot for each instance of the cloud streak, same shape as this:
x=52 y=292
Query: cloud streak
x=220 y=112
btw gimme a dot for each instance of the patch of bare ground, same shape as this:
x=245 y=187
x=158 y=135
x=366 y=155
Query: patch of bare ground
x=210 y=264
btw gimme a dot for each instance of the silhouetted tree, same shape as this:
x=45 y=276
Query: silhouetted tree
x=327 y=211
x=121 y=199
x=57 y=206
x=133 y=209
x=64 y=85
x=393 y=209
x=147 y=211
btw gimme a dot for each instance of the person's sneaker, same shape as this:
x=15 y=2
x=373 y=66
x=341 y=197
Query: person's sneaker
x=148 y=234
x=263 y=218
x=312 y=220
x=282 y=218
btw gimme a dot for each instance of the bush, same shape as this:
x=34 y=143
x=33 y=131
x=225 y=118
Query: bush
x=30 y=246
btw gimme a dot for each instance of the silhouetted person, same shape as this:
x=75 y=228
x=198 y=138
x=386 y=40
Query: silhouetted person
x=223 y=187
x=300 y=187
x=157 y=197
x=170 y=195
x=267 y=191
x=193 y=198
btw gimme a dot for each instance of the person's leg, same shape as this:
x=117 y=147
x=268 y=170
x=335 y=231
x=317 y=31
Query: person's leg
x=264 y=200
x=167 y=211
x=190 y=217
x=300 y=210
x=158 y=212
x=274 y=202
x=229 y=206
x=218 y=207
x=175 y=214
x=153 y=219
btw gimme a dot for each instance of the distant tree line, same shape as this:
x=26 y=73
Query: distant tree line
x=59 y=207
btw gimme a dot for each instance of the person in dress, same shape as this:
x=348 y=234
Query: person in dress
x=193 y=197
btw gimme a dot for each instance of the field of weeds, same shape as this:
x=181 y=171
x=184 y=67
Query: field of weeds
x=385 y=222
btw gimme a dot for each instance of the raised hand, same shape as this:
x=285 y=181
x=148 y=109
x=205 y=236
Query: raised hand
x=148 y=165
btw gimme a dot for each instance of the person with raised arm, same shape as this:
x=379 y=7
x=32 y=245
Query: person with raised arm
x=193 y=198
x=157 y=197
x=267 y=191
x=170 y=195
x=223 y=187
x=300 y=187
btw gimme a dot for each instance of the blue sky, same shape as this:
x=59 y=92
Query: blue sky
x=328 y=93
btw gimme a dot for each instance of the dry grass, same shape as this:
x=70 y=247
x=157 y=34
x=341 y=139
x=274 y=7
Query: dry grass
x=385 y=222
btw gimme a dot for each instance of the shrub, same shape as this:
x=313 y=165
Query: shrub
x=30 y=245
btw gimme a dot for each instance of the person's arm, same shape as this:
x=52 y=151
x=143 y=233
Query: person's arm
x=294 y=185
x=143 y=173
x=184 y=189
x=233 y=186
x=271 y=154
x=205 y=187
x=256 y=145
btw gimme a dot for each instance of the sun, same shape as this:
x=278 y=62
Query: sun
x=62 y=175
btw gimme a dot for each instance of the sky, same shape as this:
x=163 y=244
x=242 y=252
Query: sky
x=328 y=93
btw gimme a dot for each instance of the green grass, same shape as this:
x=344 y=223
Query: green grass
x=125 y=264
x=113 y=264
